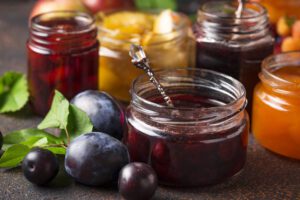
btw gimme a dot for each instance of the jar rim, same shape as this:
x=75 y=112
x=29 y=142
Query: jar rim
x=278 y=61
x=260 y=13
x=131 y=36
x=229 y=109
x=80 y=16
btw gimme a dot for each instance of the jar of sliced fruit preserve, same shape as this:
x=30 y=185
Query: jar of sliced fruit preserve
x=202 y=140
x=233 y=45
x=164 y=36
x=62 y=55
x=276 y=105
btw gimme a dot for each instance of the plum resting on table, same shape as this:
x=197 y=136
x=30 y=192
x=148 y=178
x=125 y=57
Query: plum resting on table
x=104 y=112
x=95 y=158
x=40 y=166
x=137 y=181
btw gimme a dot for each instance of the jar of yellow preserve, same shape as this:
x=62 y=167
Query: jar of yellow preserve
x=164 y=37
x=276 y=105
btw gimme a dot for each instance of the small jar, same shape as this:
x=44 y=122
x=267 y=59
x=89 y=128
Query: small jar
x=62 y=55
x=233 y=45
x=164 y=50
x=202 y=140
x=276 y=105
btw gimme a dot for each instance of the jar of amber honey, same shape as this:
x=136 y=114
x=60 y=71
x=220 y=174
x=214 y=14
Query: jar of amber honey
x=202 y=140
x=276 y=105
x=231 y=44
x=164 y=37
x=62 y=55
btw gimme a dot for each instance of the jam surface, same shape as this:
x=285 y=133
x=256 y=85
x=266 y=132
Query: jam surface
x=189 y=160
x=275 y=120
x=61 y=66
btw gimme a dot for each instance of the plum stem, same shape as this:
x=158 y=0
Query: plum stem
x=56 y=145
x=68 y=135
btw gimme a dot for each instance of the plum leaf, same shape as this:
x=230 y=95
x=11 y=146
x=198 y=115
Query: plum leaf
x=57 y=117
x=78 y=122
x=13 y=92
x=13 y=156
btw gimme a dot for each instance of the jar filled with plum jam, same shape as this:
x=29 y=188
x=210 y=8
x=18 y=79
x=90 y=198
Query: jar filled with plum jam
x=62 y=55
x=276 y=105
x=202 y=140
x=231 y=44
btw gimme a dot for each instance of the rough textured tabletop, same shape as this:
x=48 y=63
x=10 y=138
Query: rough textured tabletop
x=266 y=175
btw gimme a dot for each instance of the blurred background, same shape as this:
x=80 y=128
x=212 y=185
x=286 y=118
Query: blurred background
x=14 y=15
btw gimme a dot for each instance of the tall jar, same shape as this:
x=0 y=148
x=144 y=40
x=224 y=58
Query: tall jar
x=233 y=45
x=276 y=105
x=62 y=55
x=165 y=50
x=202 y=140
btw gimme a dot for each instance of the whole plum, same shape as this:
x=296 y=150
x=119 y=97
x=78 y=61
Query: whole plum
x=95 y=158
x=137 y=181
x=104 y=112
x=40 y=166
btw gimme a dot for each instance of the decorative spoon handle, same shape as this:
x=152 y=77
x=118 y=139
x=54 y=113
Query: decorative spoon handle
x=240 y=9
x=140 y=60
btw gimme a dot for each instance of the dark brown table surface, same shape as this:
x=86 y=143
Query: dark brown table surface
x=266 y=175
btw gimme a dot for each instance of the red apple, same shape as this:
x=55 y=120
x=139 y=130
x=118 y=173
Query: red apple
x=42 y=6
x=107 y=5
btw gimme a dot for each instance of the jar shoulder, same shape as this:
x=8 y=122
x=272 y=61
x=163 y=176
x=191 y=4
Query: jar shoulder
x=265 y=96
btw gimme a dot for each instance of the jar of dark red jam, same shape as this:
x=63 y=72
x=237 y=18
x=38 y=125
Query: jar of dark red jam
x=62 y=55
x=202 y=140
x=233 y=45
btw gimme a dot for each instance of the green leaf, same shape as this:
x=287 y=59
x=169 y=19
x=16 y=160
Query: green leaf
x=35 y=141
x=20 y=136
x=13 y=156
x=13 y=92
x=57 y=150
x=57 y=117
x=78 y=122
x=152 y=4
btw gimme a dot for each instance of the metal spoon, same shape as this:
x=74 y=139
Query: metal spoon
x=239 y=11
x=140 y=60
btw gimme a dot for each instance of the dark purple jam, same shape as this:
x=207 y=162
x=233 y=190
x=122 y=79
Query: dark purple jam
x=243 y=64
x=190 y=160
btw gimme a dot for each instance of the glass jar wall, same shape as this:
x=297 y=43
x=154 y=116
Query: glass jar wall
x=202 y=140
x=166 y=44
x=62 y=55
x=233 y=45
x=276 y=105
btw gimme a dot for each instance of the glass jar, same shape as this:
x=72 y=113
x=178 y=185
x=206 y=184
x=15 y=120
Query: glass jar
x=231 y=45
x=62 y=55
x=167 y=50
x=276 y=105
x=200 y=141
